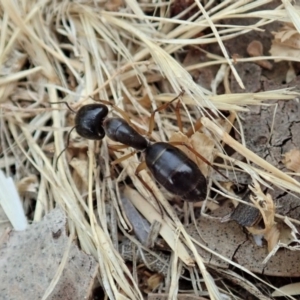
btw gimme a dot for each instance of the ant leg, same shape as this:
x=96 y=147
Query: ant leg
x=116 y=148
x=160 y=108
x=178 y=117
x=200 y=156
x=66 y=103
x=191 y=130
x=194 y=129
x=142 y=166
x=122 y=158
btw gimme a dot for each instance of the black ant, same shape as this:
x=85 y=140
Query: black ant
x=170 y=166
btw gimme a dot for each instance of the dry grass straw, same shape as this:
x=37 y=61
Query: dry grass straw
x=80 y=48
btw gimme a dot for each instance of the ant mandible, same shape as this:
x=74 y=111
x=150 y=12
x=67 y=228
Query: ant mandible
x=170 y=166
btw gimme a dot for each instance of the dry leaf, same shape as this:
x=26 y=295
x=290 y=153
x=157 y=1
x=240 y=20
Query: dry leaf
x=286 y=43
x=266 y=207
x=209 y=205
x=157 y=261
x=288 y=36
x=272 y=237
x=229 y=240
x=13 y=63
x=290 y=74
x=29 y=260
x=217 y=236
x=81 y=168
x=292 y=160
x=179 y=297
x=154 y=281
x=28 y=185
x=288 y=290
x=280 y=50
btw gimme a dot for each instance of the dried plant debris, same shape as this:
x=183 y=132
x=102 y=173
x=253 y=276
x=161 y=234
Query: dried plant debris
x=179 y=297
x=12 y=64
x=245 y=215
x=155 y=261
x=29 y=261
x=264 y=203
x=229 y=240
x=223 y=238
x=270 y=132
x=288 y=290
x=248 y=287
x=291 y=160
x=286 y=42
x=136 y=55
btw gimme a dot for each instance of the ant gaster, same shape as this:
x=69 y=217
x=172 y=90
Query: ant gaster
x=170 y=167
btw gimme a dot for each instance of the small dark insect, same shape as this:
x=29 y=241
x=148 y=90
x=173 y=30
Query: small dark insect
x=170 y=167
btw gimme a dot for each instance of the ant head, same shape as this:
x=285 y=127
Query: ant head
x=89 y=119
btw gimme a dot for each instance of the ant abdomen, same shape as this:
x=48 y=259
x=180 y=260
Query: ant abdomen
x=89 y=119
x=176 y=172
x=119 y=130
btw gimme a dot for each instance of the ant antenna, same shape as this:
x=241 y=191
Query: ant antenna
x=69 y=133
x=66 y=103
x=66 y=147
